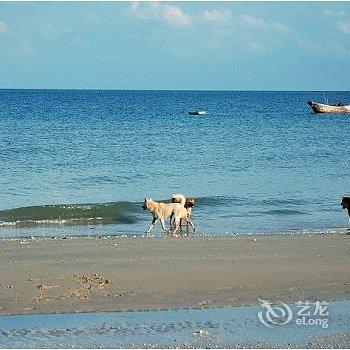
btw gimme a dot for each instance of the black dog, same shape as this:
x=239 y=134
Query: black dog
x=345 y=203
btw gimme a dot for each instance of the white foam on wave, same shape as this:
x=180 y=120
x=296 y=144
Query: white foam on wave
x=47 y=222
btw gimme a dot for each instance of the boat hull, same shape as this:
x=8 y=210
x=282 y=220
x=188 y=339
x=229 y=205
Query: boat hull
x=323 y=108
x=197 y=113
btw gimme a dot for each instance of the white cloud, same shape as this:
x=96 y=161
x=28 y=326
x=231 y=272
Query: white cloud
x=344 y=27
x=334 y=14
x=339 y=19
x=20 y=47
x=254 y=46
x=329 y=48
x=161 y=12
x=53 y=31
x=211 y=31
x=261 y=24
x=3 y=27
x=174 y=15
x=216 y=15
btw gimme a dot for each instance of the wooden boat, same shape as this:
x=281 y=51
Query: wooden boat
x=197 y=112
x=324 y=108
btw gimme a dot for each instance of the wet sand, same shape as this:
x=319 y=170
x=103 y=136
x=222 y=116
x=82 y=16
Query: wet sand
x=118 y=274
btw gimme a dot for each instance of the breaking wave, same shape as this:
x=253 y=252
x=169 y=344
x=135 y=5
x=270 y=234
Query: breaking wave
x=124 y=212
x=71 y=214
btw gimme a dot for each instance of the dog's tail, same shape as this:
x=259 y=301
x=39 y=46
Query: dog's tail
x=178 y=198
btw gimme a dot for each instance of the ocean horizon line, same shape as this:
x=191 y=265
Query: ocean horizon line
x=122 y=90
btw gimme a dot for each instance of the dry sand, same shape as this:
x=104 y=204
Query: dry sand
x=115 y=274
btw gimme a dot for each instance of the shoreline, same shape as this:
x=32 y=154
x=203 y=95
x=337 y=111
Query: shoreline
x=58 y=234
x=163 y=310
x=46 y=275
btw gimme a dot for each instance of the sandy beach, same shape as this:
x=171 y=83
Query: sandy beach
x=117 y=274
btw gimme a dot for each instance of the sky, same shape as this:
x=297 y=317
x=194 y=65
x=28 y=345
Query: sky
x=175 y=45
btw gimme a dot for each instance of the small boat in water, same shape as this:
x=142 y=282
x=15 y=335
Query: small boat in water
x=197 y=112
x=325 y=108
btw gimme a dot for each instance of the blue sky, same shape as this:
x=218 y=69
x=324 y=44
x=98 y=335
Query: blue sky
x=175 y=45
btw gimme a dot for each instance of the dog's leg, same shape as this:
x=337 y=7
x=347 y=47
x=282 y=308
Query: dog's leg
x=172 y=220
x=177 y=222
x=163 y=225
x=151 y=225
x=189 y=222
x=189 y=211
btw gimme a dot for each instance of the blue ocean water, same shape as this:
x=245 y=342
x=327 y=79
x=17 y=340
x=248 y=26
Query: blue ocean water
x=225 y=328
x=257 y=161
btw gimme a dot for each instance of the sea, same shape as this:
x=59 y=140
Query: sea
x=81 y=162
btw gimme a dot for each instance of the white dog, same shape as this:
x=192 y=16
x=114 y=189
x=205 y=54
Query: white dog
x=161 y=211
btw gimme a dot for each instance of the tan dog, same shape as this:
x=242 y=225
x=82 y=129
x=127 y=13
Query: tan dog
x=345 y=203
x=189 y=203
x=161 y=211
